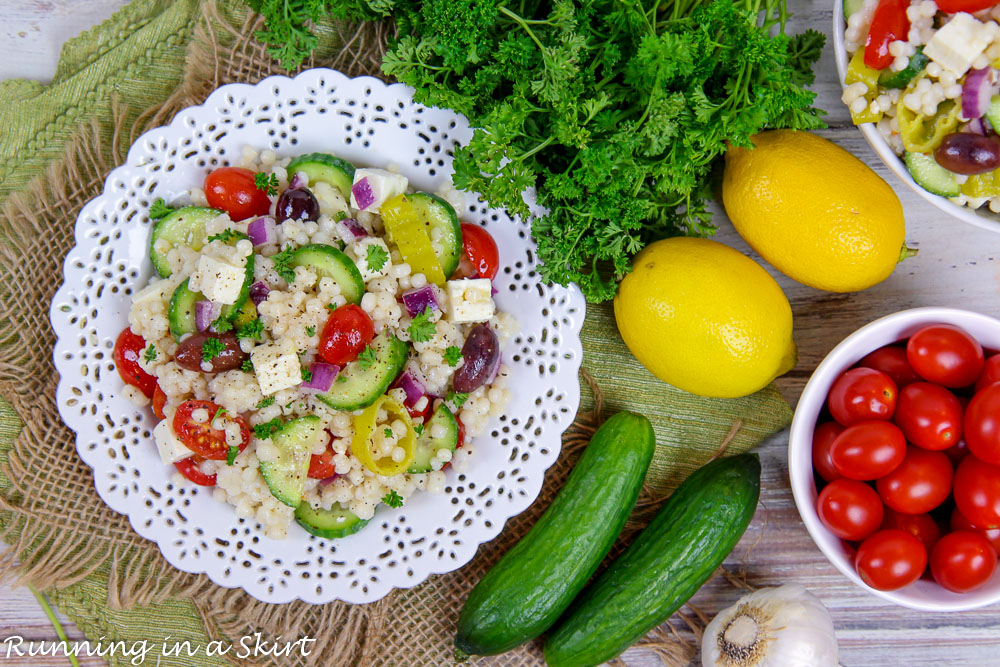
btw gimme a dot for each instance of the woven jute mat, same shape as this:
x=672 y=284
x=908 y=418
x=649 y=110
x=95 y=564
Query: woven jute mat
x=62 y=533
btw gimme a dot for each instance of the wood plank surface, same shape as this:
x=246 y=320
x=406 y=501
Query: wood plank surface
x=957 y=267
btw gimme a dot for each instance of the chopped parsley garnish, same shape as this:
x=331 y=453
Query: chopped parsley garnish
x=366 y=358
x=418 y=429
x=150 y=353
x=246 y=366
x=227 y=235
x=252 y=329
x=159 y=209
x=266 y=182
x=310 y=331
x=421 y=328
x=266 y=403
x=231 y=455
x=281 y=267
x=331 y=306
x=211 y=348
x=341 y=378
x=458 y=400
x=218 y=413
x=306 y=375
x=452 y=355
x=376 y=257
x=388 y=433
x=392 y=499
x=341 y=215
x=221 y=325
x=267 y=429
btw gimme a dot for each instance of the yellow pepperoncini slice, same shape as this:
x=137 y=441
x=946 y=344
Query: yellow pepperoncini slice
x=920 y=133
x=364 y=433
x=859 y=72
x=407 y=231
x=982 y=185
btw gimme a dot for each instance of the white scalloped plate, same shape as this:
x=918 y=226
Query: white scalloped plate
x=368 y=123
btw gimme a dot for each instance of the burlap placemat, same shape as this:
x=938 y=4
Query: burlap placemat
x=116 y=584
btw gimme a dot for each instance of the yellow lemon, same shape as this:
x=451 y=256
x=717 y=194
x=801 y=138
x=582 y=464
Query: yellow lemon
x=705 y=318
x=814 y=211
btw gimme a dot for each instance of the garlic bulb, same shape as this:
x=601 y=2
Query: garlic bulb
x=774 y=627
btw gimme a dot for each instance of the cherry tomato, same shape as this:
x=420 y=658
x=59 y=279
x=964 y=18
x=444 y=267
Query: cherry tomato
x=461 y=432
x=891 y=360
x=982 y=424
x=990 y=374
x=862 y=394
x=957 y=453
x=929 y=415
x=890 y=559
x=945 y=354
x=919 y=484
x=232 y=190
x=970 y=6
x=959 y=522
x=159 y=400
x=321 y=466
x=963 y=561
x=851 y=510
x=868 y=450
x=921 y=526
x=977 y=492
x=889 y=23
x=200 y=437
x=480 y=257
x=823 y=437
x=189 y=468
x=347 y=332
x=127 y=352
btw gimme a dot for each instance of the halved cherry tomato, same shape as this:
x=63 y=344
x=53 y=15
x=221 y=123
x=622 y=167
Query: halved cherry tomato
x=128 y=349
x=823 y=437
x=232 y=189
x=851 y=510
x=346 y=333
x=959 y=522
x=868 y=450
x=321 y=467
x=963 y=561
x=159 y=400
x=189 y=468
x=861 y=394
x=990 y=374
x=946 y=355
x=421 y=414
x=977 y=491
x=480 y=257
x=970 y=6
x=889 y=23
x=918 y=484
x=890 y=559
x=921 y=526
x=982 y=424
x=891 y=360
x=200 y=437
x=461 y=432
x=929 y=415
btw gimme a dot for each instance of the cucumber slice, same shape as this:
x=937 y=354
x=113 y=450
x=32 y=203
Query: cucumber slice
x=902 y=78
x=438 y=214
x=181 y=311
x=993 y=113
x=852 y=7
x=359 y=387
x=286 y=475
x=329 y=524
x=931 y=176
x=185 y=226
x=427 y=447
x=325 y=260
x=326 y=168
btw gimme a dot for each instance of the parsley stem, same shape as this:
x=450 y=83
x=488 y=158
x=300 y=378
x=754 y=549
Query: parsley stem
x=517 y=19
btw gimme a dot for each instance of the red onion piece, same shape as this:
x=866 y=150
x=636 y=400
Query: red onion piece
x=976 y=126
x=206 y=312
x=258 y=292
x=351 y=229
x=299 y=180
x=977 y=91
x=364 y=196
x=412 y=386
x=262 y=231
x=419 y=300
x=323 y=375
x=323 y=483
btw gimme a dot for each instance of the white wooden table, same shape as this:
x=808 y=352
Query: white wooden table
x=957 y=266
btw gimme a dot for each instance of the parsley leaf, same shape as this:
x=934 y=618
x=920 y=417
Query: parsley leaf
x=266 y=182
x=376 y=257
x=458 y=400
x=159 y=209
x=330 y=306
x=388 y=433
x=211 y=348
x=392 y=499
x=150 y=353
x=310 y=331
x=281 y=266
x=253 y=329
x=418 y=429
x=452 y=355
x=341 y=378
x=306 y=375
x=341 y=215
x=221 y=325
x=267 y=429
x=421 y=328
x=218 y=413
x=227 y=236
x=247 y=366
x=366 y=358
x=231 y=455
x=265 y=402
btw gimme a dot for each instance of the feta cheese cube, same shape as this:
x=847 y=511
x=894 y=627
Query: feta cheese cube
x=360 y=251
x=169 y=446
x=470 y=300
x=219 y=281
x=958 y=43
x=276 y=366
x=331 y=202
x=158 y=290
x=384 y=185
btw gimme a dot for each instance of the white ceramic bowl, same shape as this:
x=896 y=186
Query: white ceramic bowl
x=981 y=217
x=923 y=594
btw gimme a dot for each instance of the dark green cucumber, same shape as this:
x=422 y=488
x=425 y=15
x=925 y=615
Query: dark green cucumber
x=534 y=583
x=427 y=447
x=180 y=314
x=185 y=226
x=325 y=168
x=286 y=475
x=437 y=214
x=325 y=260
x=357 y=387
x=902 y=78
x=328 y=524
x=686 y=541
x=851 y=7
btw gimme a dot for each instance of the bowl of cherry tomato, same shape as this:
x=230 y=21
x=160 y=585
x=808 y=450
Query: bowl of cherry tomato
x=894 y=458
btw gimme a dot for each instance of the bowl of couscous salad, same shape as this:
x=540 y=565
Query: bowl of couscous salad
x=922 y=82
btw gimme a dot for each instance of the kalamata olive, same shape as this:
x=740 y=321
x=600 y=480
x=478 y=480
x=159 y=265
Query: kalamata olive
x=190 y=352
x=297 y=204
x=481 y=356
x=966 y=153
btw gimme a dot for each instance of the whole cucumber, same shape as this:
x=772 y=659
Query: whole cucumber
x=686 y=541
x=534 y=582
